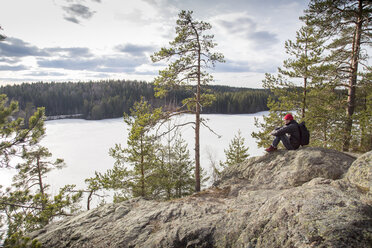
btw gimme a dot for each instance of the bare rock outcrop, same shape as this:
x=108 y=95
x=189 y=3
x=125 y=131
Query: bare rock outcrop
x=303 y=198
x=360 y=174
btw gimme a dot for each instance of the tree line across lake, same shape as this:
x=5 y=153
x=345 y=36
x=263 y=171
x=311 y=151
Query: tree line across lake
x=112 y=98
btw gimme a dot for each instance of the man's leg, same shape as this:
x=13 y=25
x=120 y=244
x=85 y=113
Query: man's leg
x=285 y=141
x=276 y=141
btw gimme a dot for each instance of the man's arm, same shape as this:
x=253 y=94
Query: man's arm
x=282 y=130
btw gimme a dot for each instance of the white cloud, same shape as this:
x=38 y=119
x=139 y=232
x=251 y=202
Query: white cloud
x=114 y=38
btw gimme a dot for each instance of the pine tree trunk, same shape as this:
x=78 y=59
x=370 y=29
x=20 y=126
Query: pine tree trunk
x=353 y=80
x=197 y=118
x=304 y=98
x=142 y=170
x=89 y=199
x=305 y=85
x=197 y=136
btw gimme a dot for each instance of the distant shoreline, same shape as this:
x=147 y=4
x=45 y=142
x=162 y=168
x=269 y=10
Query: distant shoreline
x=61 y=117
x=81 y=116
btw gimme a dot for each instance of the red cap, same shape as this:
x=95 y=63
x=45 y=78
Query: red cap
x=288 y=117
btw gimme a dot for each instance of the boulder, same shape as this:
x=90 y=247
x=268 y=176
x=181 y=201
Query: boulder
x=287 y=169
x=360 y=173
x=284 y=199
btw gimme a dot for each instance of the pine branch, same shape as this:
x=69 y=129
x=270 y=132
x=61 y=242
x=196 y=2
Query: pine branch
x=21 y=139
x=210 y=129
x=174 y=128
x=18 y=205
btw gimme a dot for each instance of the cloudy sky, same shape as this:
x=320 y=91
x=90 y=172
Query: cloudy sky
x=72 y=40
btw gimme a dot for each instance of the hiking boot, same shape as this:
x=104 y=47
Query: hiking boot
x=271 y=149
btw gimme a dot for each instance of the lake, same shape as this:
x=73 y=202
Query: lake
x=84 y=145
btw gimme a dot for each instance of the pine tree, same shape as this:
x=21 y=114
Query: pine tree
x=141 y=146
x=324 y=117
x=184 y=179
x=15 y=141
x=362 y=136
x=347 y=24
x=146 y=167
x=174 y=172
x=33 y=172
x=14 y=138
x=314 y=100
x=133 y=172
x=27 y=204
x=237 y=151
x=304 y=64
x=189 y=55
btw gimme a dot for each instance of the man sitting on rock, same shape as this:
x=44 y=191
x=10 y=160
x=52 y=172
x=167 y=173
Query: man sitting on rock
x=291 y=142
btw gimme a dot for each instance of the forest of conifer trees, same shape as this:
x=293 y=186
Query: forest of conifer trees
x=110 y=99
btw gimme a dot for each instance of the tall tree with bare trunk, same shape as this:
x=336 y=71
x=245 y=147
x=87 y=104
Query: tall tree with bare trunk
x=348 y=24
x=189 y=56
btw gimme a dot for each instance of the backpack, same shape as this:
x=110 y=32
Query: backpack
x=304 y=134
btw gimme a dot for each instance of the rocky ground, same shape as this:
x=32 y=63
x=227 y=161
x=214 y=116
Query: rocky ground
x=311 y=197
